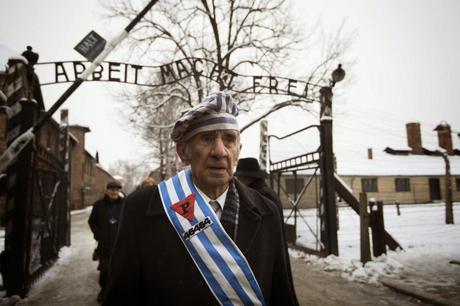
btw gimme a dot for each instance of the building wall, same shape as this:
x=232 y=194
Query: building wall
x=419 y=189
x=88 y=179
x=76 y=169
x=96 y=179
x=309 y=199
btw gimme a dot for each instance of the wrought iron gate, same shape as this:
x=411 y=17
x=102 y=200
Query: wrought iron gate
x=308 y=166
x=37 y=218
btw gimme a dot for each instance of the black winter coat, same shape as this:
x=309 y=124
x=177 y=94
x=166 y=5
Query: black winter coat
x=151 y=266
x=267 y=191
x=103 y=229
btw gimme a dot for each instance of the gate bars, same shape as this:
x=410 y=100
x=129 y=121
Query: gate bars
x=308 y=161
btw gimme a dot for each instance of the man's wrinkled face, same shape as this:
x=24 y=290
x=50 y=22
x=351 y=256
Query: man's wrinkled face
x=212 y=156
x=113 y=193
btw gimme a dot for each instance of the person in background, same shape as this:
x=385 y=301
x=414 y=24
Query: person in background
x=201 y=237
x=150 y=181
x=103 y=222
x=249 y=173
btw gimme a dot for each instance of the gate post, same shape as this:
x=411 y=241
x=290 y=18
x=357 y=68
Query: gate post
x=19 y=187
x=364 y=229
x=448 y=192
x=328 y=212
x=328 y=209
x=263 y=152
x=66 y=175
x=378 y=228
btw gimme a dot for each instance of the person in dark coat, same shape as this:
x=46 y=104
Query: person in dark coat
x=157 y=262
x=103 y=222
x=250 y=174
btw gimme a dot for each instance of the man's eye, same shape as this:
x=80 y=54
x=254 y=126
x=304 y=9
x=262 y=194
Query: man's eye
x=207 y=137
x=230 y=138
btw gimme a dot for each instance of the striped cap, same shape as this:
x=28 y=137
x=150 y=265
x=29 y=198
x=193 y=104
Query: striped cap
x=216 y=112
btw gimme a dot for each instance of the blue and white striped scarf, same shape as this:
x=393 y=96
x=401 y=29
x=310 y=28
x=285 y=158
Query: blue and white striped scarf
x=222 y=265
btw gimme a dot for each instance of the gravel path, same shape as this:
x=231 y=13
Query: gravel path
x=317 y=287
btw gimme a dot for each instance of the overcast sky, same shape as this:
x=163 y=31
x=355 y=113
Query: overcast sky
x=405 y=54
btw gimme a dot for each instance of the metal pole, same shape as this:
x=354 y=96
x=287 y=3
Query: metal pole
x=263 y=144
x=295 y=200
x=329 y=211
x=448 y=187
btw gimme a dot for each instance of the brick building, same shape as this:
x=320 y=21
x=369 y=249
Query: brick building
x=88 y=178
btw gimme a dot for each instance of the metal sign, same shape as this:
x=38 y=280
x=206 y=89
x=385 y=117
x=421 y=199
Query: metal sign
x=91 y=46
x=169 y=73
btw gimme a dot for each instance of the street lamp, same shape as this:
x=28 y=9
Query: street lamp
x=337 y=75
x=326 y=92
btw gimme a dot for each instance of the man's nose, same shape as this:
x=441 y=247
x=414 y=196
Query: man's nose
x=219 y=149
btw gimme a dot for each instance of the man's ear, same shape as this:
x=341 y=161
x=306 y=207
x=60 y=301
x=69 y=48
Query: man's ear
x=180 y=150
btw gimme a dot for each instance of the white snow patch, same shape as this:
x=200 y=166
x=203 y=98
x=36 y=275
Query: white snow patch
x=429 y=245
x=65 y=253
x=80 y=211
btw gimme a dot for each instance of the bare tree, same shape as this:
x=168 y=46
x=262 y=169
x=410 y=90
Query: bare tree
x=234 y=37
x=155 y=121
x=132 y=173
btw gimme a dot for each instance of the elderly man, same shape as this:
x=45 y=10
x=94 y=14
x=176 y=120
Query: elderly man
x=201 y=237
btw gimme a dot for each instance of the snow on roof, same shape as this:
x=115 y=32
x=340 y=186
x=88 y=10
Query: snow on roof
x=389 y=164
x=7 y=54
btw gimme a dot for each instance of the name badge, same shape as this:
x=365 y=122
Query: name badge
x=197 y=228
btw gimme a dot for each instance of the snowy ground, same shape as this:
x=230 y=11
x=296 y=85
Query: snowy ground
x=429 y=247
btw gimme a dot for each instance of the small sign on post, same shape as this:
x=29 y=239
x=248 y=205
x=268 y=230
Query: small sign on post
x=91 y=46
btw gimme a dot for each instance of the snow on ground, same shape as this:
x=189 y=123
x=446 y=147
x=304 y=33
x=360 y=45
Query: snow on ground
x=428 y=246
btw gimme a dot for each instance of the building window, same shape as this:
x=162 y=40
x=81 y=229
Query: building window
x=369 y=184
x=402 y=184
x=457 y=182
x=290 y=185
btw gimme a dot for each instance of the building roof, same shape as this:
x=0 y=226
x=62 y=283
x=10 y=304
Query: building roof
x=385 y=164
x=397 y=160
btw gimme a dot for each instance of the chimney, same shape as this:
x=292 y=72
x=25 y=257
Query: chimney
x=414 y=137
x=445 y=137
x=369 y=153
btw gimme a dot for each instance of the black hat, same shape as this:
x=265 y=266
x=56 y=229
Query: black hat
x=113 y=184
x=249 y=167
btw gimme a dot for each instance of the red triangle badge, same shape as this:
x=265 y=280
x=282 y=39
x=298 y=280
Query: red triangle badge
x=185 y=207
